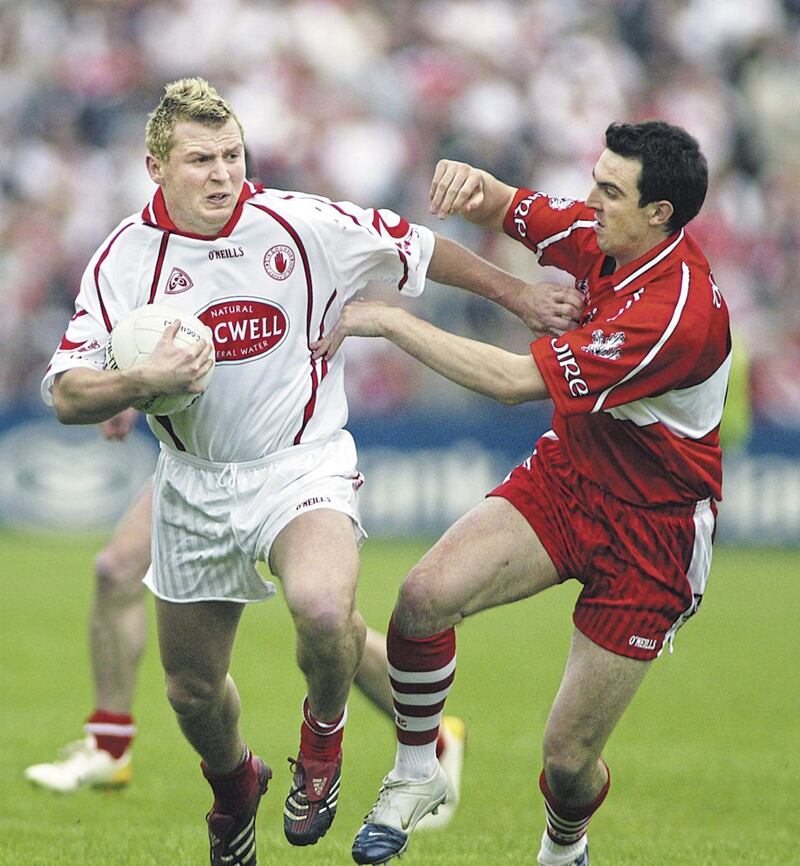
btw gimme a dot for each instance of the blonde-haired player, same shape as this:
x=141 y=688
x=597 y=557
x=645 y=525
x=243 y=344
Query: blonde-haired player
x=261 y=467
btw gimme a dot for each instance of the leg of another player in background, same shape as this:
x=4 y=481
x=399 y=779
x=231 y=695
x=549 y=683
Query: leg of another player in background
x=117 y=637
x=372 y=676
x=316 y=559
x=118 y=625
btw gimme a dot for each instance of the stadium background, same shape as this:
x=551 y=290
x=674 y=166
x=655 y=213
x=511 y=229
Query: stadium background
x=358 y=100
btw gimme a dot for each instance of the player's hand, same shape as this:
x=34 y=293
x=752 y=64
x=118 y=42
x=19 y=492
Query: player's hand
x=358 y=319
x=119 y=426
x=456 y=188
x=172 y=369
x=550 y=308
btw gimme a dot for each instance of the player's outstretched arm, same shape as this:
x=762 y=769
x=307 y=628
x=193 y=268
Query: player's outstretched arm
x=458 y=188
x=546 y=308
x=84 y=396
x=486 y=369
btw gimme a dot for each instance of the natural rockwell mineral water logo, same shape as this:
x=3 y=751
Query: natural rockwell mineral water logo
x=245 y=328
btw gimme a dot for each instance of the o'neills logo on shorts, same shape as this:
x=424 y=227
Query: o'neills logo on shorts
x=244 y=328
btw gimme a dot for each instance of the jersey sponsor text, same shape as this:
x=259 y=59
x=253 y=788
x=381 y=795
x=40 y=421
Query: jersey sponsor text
x=245 y=329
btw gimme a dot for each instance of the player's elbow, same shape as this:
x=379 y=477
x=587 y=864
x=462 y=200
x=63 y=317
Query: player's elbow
x=516 y=381
x=65 y=410
x=513 y=393
x=64 y=403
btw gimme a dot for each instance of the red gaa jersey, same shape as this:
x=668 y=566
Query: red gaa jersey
x=639 y=387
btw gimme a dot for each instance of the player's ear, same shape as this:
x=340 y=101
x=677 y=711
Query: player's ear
x=154 y=169
x=661 y=213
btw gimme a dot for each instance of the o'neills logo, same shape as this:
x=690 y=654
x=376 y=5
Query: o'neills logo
x=244 y=328
x=279 y=261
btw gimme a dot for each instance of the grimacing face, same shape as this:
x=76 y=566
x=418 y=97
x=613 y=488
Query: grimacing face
x=203 y=175
x=624 y=230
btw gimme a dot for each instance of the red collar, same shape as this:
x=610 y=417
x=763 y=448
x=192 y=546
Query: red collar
x=155 y=213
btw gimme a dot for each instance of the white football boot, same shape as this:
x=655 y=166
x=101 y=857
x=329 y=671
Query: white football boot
x=400 y=806
x=454 y=737
x=82 y=765
x=551 y=854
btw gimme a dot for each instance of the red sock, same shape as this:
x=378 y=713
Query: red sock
x=566 y=824
x=113 y=732
x=233 y=791
x=419 y=667
x=321 y=741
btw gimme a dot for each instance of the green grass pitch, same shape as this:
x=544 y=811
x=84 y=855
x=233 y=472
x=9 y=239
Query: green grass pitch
x=706 y=762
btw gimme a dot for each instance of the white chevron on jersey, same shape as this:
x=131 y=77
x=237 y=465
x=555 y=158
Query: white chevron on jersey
x=690 y=413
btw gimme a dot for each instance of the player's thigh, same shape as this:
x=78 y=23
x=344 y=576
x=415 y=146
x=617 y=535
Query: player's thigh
x=127 y=553
x=595 y=690
x=315 y=556
x=196 y=639
x=491 y=556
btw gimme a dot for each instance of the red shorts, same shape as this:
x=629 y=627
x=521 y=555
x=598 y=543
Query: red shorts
x=643 y=570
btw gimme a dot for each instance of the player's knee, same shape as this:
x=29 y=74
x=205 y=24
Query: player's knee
x=418 y=612
x=323 y=618
x=191 y=695
x=566 y=764
x=114 y=578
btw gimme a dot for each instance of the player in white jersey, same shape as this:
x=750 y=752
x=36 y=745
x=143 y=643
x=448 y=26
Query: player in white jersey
x=117 y=639
x=260 y=467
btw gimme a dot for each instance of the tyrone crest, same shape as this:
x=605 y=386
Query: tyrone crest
x=279 y=261
x=179 y=281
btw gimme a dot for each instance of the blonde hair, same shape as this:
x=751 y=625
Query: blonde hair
x=187 y=99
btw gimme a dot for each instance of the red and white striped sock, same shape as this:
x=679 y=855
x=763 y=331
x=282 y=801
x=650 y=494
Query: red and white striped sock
x=421 y=671
x=113 y=732
x=321 y=741
x=566 y=825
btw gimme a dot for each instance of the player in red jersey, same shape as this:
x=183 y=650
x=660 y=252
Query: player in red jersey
x=620 y=494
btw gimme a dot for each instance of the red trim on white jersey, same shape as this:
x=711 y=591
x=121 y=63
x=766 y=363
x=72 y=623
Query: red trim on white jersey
x=164 y=421
x=315 y=380
x=100 y=260
x=162 y=251
x=395 y=232
x=155 y=213
x=331 y=299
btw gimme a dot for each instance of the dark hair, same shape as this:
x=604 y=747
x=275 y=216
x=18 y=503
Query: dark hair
x=673 y=167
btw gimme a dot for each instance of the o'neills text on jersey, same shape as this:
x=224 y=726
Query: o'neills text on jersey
x=229 y=253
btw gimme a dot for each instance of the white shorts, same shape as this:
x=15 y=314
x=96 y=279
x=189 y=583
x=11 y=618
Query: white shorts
x=212 y=522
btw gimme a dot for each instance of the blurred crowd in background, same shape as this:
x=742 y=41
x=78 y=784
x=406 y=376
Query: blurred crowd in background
x=358 y=99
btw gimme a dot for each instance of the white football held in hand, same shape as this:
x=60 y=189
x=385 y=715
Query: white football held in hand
x=136 y=335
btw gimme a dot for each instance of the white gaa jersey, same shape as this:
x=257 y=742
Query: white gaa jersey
x=273 y=281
